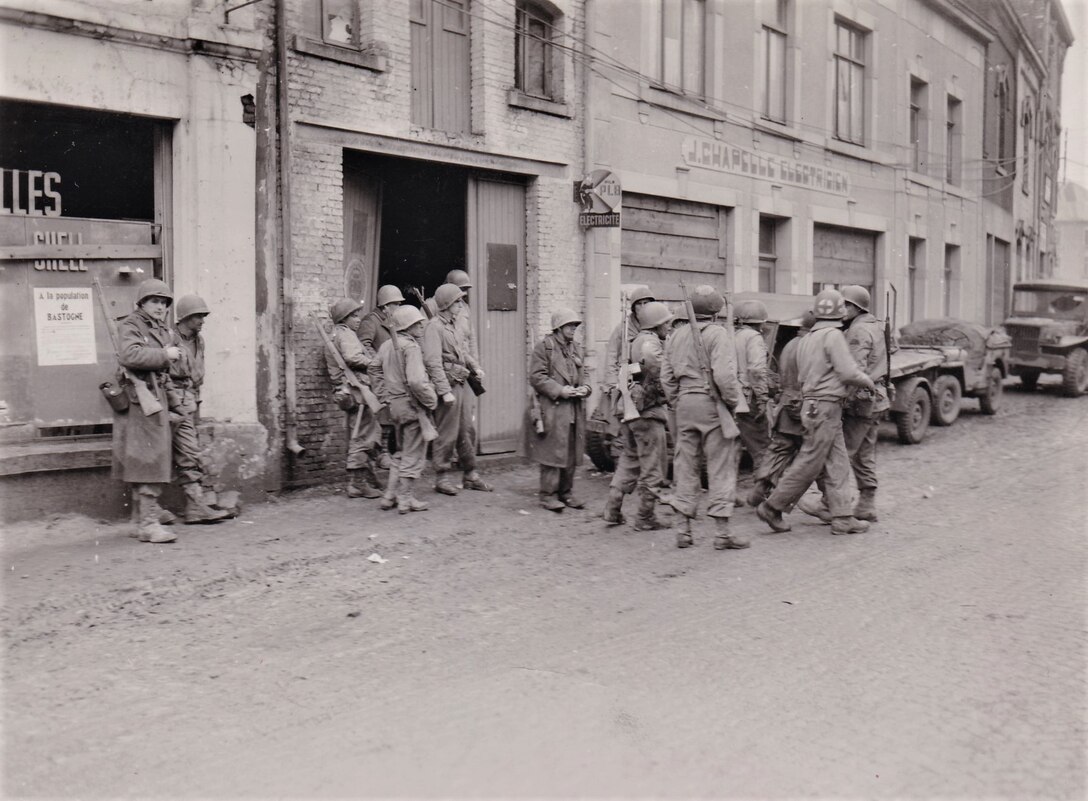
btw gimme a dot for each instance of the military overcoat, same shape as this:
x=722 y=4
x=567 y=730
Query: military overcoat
x=141 y=443
x=552 y=367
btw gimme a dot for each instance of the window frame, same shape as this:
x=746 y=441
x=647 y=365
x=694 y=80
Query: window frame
x=854 y=61
x=953 y=142
x=355 y=41
x=659 y=68
x=527 y=12
x=918 y=128
x=767 y=259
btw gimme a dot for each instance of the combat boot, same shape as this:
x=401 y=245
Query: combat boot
x=359 y=486
x=866 y=508
x=150 y=529
x=758 y=494
x=389 y=499
x=572 y=502
x=196 y=511
x=772 y=517
x=406 y=499
x=444 y=486
x=646 y=520
x=815 y=506
x=724 y=538
x=613 y=511
x=552 y=503
x=472 y=481
x=683 y=536
x=848 y=525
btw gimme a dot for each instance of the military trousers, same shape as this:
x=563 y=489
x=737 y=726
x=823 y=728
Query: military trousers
x=859 y=434
x=362 y=445
x=823 y=450
x=754 y=435
x=456 y=424
x=780 y=453
x=411 y=455
x=645 y=455
x=698 y=432
x=186 y=449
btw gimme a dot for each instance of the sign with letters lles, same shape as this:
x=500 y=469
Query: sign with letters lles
x=710 y=154
x=600 y=197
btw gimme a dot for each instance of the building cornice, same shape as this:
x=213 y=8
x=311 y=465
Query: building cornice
x=962 y=17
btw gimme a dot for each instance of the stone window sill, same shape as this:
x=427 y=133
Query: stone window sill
x=521 y=100
x=367 y=59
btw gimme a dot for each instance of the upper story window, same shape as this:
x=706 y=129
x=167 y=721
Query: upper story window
x=1005 y=159
x=919 y=124
x=535 y=60
x=775 y=37
x=850 y=54
x=340 y=22
x=953 y=140
x=676 y=55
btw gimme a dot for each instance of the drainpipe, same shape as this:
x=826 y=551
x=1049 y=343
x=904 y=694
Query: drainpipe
x=287 y=283
x=589 y=285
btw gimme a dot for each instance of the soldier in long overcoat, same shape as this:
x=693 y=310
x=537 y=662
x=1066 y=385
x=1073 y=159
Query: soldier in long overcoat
x=142 y=446
x=557 y=375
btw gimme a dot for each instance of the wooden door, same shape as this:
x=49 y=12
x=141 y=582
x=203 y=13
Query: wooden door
x=362 y=235
x=440 y=64
x=496 y=265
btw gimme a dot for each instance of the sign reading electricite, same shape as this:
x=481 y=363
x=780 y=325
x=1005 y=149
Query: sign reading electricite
x=600 y=196
x=710 y=154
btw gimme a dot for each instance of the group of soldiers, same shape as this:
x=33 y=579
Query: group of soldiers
x=710 y=384
x=420 y=366
x=157 y=408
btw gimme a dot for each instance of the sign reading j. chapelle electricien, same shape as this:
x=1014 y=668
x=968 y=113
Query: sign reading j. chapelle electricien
x=710 y=154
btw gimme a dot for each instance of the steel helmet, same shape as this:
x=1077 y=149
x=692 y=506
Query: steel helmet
x=389 y=294
x=188 y=305
x=808 y=319
x=404 y=317
x=654 y=314
x=459 y=278
x=343 y=308
x=153 y=288
x=640 y=293
x=706 y=300
x=829 y=305
x=858 y=295
x=446 y=295
x=681 y=314
x=751 y=311
x=561 y=317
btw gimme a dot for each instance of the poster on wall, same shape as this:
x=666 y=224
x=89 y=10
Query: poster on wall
x=64 y=320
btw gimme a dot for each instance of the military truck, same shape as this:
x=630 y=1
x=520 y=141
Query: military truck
x=1049 y=330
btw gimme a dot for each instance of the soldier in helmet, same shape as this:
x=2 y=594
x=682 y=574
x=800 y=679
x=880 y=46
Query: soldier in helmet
x=645 y=448
x=448 y=364
x=699 y=427
x=363 y=438
x=785 y=416
x=375 y=328
x=403 y=385
x=460 y=279
x=142 y=447
x=752 y=367
x=639 y=297
x=825 y=370
x=186 y=379
x=557 y=374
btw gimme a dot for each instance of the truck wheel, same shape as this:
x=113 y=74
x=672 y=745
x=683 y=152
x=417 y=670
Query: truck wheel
x=990 y=400
x=911 y=425
x=1075 y=374
x=947 y=394
x=1028 y=380
x=599 y=450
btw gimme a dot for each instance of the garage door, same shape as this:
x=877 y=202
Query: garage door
x=842 y=256
x=664 y=241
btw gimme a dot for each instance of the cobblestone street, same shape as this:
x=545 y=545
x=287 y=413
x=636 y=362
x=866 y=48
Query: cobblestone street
x=504 y=651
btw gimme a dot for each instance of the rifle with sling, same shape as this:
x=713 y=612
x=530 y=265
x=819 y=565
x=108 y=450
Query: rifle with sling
x=624 y=376
x=702 y=355
x=888 y=386
x=149 y=404
x=368 y=396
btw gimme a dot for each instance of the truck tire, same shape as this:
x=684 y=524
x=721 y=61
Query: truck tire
x=1075 y=374
x=599 y=450
x=1028 y=380
x=911 y=425
x=947 y=394
x=990 y=400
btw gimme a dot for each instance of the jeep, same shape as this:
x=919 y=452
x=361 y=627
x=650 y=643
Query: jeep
x=1049 y=331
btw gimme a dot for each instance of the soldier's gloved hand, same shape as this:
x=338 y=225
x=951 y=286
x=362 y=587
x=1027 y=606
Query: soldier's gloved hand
x=176 y=418
x=568 y=392
x=173 y=352
x=448 y=398
x=480 y=374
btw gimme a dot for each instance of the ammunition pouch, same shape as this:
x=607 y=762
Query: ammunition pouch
x=860 y=403
x=344 y=397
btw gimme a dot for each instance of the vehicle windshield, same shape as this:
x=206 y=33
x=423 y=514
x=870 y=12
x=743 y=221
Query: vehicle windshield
x=1060 y=304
